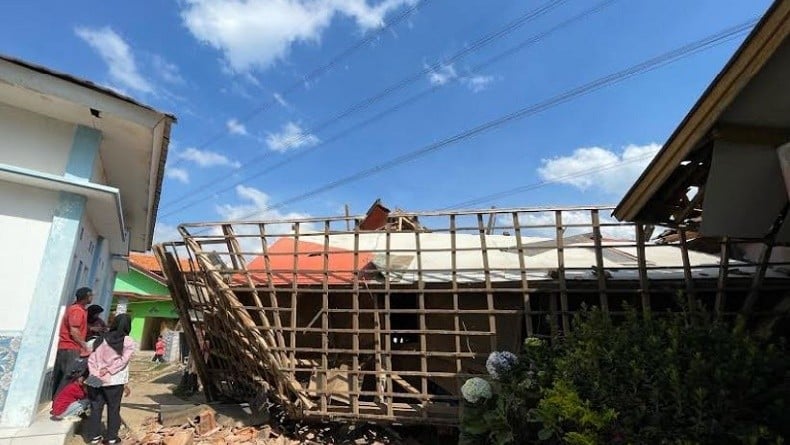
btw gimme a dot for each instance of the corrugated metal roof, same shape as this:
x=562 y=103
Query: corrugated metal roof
x=437 y=262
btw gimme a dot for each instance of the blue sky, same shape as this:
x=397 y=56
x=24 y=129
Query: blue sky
x=234 y=73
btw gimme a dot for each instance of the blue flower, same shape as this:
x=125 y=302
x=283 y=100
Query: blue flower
x=476 y=389
x=500 y=363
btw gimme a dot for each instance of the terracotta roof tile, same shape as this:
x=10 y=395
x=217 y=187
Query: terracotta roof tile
x=148 y=262
x=309 y=264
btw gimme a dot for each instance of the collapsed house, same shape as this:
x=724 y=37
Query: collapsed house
x=383 y=317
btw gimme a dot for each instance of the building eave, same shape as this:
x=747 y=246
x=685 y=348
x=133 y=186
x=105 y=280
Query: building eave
x=164 y=143
x=770 y=32
x=147 y=273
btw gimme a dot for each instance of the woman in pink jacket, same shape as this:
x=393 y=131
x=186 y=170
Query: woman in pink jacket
x=109 y=373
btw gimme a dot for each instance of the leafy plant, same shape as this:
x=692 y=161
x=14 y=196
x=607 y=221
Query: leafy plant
x=668 y=378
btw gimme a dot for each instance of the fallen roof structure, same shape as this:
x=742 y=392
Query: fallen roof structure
x=339 y=318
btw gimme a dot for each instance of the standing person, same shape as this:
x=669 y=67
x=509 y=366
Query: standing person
x=159 y=350
x=109 y=369
x=96 y=326
x=71 y=338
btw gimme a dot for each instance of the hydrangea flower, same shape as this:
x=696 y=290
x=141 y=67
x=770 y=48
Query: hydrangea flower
x=533 y=342
x=500 y=363
x=476 y=389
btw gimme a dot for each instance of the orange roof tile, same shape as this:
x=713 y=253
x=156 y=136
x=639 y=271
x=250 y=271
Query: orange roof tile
x=309 y=260
x=149 y=263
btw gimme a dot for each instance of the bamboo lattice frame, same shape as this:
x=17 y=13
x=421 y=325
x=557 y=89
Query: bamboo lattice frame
x=342 y=323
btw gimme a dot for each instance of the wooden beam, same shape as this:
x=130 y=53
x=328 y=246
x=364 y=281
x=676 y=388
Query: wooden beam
x=751 y=134
x=765 y=259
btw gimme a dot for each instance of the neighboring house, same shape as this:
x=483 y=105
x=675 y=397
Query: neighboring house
x=81 y=170
x=142 y=293
x=724 y=173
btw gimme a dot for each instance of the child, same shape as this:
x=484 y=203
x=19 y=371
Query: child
x=159 y=350
x=72 y=400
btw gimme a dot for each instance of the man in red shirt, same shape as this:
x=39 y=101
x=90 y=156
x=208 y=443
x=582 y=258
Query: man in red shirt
x=71 y=338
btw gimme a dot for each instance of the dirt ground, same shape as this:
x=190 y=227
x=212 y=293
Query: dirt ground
x=152 y=385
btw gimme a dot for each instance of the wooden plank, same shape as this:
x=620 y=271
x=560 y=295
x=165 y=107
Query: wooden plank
x=181 y=299
x=641 y=258
x=355 y=325
x=295 y=294
x=337 y=387
x=684 y=252
x=423 y=328
x=765 y=259
x=523 y=271
x=488 y=289
x=388 y=318
x=560 y=234
x=454 y=289
x=404 y=384
x=323 y=377
x=724 y=269
x=279 y=340
x=177 y=415
x=599 y=269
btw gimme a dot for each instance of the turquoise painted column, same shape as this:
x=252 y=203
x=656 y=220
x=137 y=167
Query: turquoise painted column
x=51 y=288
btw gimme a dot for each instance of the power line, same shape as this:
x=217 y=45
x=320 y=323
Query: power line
x=544 y=183
x=640 y=68
x=481 y=42
x=317 y=72
x=378 y=116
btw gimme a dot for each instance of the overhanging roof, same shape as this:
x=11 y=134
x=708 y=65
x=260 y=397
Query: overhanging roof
x=767 y=44
x=135 y=137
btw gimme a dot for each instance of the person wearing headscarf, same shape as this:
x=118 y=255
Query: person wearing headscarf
x=96 y=326
x=109 y=373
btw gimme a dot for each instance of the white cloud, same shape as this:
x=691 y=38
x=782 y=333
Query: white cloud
x=254 y=205
x=599 y=168
x=206 y=158
x=290 y=137
x=477 y=83
x=581 y=219
x=236 y=127
x=167 y=71
x=118 y=56
x=442 y=75
x=165 y=232
x=256 y=33
x=446 y=73
x=279 y=98
x=179 y=174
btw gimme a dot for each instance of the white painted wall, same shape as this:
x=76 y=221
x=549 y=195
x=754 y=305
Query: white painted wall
x=25 y=219
x=99 y=175
x=33 y=141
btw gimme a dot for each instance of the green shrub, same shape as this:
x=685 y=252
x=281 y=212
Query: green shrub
x=670 y=378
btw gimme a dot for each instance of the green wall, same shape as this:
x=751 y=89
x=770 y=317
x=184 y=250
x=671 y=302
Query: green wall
x=138 y=283
x=148 y=309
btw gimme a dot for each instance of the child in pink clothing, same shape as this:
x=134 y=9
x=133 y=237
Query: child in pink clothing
x=109 y=373
x=159 y=350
